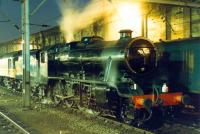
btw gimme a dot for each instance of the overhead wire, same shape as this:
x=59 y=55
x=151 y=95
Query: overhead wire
x=38 y=7
x=4 y=20
x=52 y=18
x=14 y=24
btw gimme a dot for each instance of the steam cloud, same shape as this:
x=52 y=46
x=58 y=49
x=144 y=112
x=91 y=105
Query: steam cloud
x=74 y=19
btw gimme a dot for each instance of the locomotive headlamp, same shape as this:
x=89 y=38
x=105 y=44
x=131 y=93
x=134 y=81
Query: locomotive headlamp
x=165 y=88
x=133 y=87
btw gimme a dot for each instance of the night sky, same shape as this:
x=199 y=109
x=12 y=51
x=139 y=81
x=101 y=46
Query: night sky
x=48 y=14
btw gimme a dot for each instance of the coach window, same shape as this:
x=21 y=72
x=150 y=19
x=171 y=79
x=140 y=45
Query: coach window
x=43 y=58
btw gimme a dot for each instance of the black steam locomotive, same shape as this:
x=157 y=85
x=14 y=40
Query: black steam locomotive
x=124 y=78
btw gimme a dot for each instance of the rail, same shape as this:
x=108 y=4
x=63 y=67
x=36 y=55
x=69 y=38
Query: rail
x=14 y=123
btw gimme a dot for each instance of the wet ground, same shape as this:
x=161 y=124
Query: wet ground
x=48 y=119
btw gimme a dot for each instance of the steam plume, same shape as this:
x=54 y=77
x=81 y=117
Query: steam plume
x=74 y=19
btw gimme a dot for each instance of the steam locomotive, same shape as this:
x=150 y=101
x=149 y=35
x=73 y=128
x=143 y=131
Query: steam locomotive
x=128 y=78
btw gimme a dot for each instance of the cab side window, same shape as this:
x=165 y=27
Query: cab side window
x=15 y=59
x=9 y=64
x=43 y=57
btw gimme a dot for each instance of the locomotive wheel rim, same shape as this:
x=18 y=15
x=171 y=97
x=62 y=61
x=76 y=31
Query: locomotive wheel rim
x=127 y=114
x=57 y=91
x=97 y=113
x=69 y=103
x=81 y=108
x=93 y=112
x=56 y=100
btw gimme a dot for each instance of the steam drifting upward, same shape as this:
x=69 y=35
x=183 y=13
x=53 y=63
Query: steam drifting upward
x=74 y=20
x=118 y=14
x=127 y=16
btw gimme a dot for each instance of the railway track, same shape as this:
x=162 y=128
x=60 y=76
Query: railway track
x=111 y=122
x=8 y=126
x=176 y=125
x=114 y=127
x=183 y=123
x=191 y=122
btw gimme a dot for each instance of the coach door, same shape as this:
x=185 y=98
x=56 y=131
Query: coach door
x=11 y=72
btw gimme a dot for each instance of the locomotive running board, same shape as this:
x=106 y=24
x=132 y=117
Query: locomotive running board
x=55 y=78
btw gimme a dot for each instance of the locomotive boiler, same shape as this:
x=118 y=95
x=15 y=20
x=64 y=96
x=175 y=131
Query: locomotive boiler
x=116 y=77
x=111 y=61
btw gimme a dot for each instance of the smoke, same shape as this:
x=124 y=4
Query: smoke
x=74 y=19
